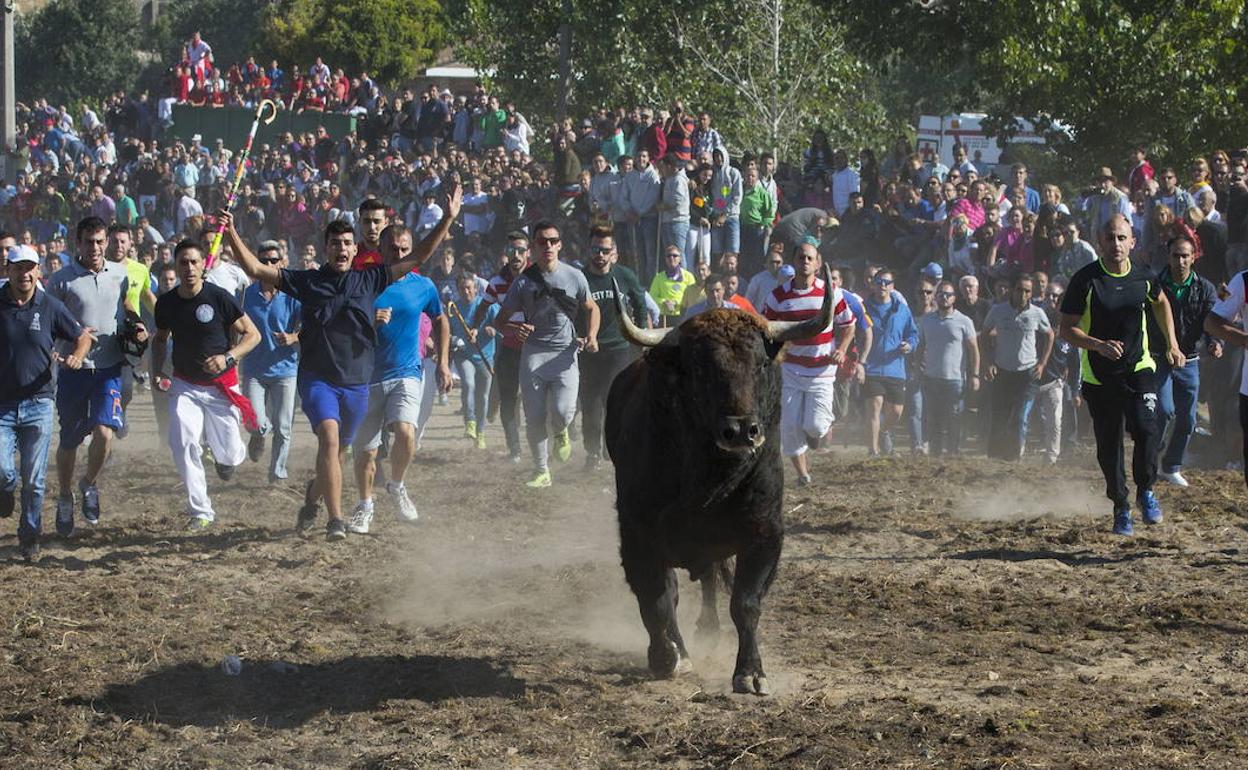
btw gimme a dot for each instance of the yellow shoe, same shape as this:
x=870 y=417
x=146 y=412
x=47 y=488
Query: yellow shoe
x=563 y=446
x=470 y=429
x=540 y=481
x=480 y=439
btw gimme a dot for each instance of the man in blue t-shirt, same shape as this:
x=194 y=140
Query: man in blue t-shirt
x=395 y=391
x=337 y=340
x=29 y=321
x=269 y=372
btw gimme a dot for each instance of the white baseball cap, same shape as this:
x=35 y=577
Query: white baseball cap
x=22 y=253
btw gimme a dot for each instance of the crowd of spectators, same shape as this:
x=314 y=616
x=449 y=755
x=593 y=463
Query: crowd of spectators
x=665 y=179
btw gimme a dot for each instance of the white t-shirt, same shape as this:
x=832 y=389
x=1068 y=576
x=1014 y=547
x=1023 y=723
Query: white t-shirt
x=228 y=276
x=476 y=223
x=1232 y=309
x=197 y=51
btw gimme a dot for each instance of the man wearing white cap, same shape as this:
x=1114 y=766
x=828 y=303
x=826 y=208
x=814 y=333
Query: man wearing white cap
x=29 y=322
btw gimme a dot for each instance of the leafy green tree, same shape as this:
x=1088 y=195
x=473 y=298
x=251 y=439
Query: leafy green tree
x=1172 y=76
x=72 y=50
x=392 y=40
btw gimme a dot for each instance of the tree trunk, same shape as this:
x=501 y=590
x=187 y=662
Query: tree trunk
x=565 y=59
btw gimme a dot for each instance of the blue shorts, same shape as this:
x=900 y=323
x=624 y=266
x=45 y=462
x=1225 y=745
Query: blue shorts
x=345 y=404
x=86 y=398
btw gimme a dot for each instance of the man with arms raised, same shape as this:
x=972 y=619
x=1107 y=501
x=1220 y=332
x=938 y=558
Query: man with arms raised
x=337 y=338
x=211 y=333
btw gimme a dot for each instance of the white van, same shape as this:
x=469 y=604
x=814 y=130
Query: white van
x=941 y=133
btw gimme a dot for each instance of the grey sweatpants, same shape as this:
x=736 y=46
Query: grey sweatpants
x=549 y=380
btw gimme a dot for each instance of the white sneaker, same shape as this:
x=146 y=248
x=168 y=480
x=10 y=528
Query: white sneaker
x=407 y=508
x=1174 y=478
x=361 y=517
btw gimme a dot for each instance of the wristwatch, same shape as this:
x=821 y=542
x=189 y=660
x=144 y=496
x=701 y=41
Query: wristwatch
x=230 y=360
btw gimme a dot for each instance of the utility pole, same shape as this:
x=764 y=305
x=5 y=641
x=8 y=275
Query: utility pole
x=8 y=97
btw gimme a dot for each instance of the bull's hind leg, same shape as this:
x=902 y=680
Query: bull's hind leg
x=656 y=590
x=708 y=619
x=756 y=569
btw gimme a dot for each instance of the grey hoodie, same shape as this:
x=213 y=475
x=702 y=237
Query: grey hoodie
x=726 y=187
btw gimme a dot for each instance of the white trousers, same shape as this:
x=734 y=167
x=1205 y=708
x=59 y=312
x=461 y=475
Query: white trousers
x=805 y=411
x=198 y=412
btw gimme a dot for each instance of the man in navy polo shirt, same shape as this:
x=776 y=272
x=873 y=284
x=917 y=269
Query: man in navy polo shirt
x=29 y=321
x=337 y=338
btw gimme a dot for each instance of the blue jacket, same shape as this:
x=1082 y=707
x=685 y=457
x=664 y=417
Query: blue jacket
x=892 y=325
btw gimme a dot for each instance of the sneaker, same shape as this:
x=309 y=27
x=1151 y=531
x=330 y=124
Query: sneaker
x=514 y=457
x=90 y=502
x=407 y=509
x=225 y=472
x=442 y=400
x=198 y=524
x=886 y=442
x=470 y=429
x=1122 y=522
x=1149 y=507
x=255 y=447
x=593 y=462
x=335 y=530
x=65 y=516
x=308 y=511
x=8 y=500
x=481 y=438
x=29 y=551
x=361 y=517
x=563 y=446
x=1175 y=478
x=539 y=481
x=804 y=480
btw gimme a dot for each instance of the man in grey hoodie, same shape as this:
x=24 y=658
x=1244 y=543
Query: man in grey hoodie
x=726 y=205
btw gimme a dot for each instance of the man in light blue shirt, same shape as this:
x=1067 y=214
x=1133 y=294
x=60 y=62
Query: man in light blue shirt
x=269 y=370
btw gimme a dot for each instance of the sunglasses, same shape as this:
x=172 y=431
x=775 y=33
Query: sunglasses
x=927 y=292
x=945 y=294
x=549 y=241
x=602 y=249
x=1055 y=295
x=277 y=261
x=883 y=281
x=517 y=249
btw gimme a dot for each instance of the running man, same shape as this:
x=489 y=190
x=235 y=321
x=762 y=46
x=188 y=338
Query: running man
x=1103 y=315
x=210 y=333
x=337 y=339
x=395 y=392
x=88 y=399
x=808 y=374
x=598 y=370
x=139 y=296
x=29 y=322
x=511 y=332
x=552 y=295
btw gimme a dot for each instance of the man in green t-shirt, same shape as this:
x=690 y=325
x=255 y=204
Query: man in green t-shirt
x=1103 y=314
x=599 y=369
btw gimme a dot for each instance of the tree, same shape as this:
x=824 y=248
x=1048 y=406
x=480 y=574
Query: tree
x=392 y=40
x=1172 y=76
x=72 y=50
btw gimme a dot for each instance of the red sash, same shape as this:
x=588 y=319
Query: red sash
x=227 y=383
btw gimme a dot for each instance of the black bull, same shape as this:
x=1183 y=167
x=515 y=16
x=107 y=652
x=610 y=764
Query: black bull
x=693 y=430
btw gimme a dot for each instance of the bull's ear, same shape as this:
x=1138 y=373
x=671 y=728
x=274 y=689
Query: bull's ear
x=772 y=349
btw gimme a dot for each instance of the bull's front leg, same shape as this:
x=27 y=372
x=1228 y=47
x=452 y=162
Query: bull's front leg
x=654 y=585
x=756 y=568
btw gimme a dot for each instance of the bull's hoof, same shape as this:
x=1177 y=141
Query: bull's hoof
x=750 y=684
x=663 y=660
x=684 y=666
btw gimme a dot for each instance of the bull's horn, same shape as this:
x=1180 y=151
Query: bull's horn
x=784 y=331
x=647 y=338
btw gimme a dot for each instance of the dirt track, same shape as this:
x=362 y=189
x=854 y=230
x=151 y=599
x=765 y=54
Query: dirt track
x=927 y=614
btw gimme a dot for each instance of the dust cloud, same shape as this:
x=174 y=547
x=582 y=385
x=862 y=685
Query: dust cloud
x=1023 y=500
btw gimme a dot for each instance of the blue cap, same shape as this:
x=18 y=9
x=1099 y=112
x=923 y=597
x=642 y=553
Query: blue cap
x=933 y=270
x=786 y=272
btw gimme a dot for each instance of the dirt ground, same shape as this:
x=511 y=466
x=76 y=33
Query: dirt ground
x=927 y=613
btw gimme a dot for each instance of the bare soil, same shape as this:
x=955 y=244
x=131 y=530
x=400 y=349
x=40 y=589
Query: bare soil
x=928 y=613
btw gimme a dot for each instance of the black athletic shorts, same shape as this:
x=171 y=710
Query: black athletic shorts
x=893 y=389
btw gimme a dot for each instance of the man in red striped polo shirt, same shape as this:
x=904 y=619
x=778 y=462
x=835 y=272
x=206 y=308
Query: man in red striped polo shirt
x=809 y=369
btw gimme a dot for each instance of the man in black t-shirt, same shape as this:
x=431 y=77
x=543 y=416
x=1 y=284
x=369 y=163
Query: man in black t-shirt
x=599 y=369
x=210 y=332
x=1103 y=315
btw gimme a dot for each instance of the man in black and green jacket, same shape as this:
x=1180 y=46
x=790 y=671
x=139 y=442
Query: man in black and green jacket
x=599 y=369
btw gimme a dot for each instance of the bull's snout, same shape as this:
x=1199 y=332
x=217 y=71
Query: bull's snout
x=741 y=432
